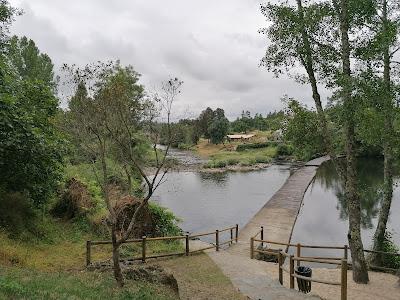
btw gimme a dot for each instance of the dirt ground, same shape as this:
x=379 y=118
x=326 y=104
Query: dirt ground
x=381 y=286
x=199 y=278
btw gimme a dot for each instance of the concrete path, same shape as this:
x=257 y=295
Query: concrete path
x=278 y=217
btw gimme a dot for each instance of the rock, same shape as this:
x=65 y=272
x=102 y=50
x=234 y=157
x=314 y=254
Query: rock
x=153 y=274
x=265 y=256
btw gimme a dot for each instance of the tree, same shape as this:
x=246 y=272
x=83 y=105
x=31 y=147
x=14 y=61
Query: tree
x=303 y=131
x=29 y=61
x=31 y=148
x=308 y=36
x=204 y=121
x=379 y=51
x=116 y=116
x=219 y=127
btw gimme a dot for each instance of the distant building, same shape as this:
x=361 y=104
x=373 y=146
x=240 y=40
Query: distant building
x=237 y=137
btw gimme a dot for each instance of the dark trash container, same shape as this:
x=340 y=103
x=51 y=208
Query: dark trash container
x=304 y=285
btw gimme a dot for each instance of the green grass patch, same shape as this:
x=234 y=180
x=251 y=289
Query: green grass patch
x=246 y=157
x=19 y=283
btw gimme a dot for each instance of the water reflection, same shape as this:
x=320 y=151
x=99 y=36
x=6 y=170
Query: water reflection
x=218 y=178
x=207 y=201
x=323 y=218
x=370 y=185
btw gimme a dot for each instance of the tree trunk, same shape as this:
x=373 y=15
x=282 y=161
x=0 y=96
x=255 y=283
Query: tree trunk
x=116 y=266
x=307 y=61
x=360 y=271
x=376 y=259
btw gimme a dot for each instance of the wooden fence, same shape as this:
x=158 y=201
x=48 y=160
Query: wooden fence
x=281 y=255
x=234 y=230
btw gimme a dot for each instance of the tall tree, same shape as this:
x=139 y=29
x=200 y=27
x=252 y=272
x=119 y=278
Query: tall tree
x=116 y=115
x=30 y=145
x=360 y=271
x=379 y=51
x=316 y=36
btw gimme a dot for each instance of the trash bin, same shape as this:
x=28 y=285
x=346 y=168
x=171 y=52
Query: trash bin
x=304 y=285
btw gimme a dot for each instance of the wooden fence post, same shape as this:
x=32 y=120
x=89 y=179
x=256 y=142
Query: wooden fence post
x=298 y=253
x=230 y=243
x=280 y=266
x=237 y=233
x=187 y=244
x=144 y=248
x=217 y=239
x=346 y=251
x=88 y=252
x=262 y=236
x=291 y=271
x=252 y=247
x=344 y=280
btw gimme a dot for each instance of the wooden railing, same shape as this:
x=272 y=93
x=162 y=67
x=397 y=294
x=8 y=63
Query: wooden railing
x=234 y=230
x=282 y=255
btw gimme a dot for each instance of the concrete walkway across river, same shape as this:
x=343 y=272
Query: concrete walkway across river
x=278 y=216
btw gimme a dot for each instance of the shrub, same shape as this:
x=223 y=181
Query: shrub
x=165 y=222
x=284 y=150
x=74 y=201
x=232 y=161
x=262 y=160
x=390 y=261
x=220 y=164
x=243 y=147
x=16 y=213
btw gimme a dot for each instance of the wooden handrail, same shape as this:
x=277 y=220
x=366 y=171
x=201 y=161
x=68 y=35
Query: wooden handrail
x=185 y=237
x=322 y=257
x=315 y=280
x=274 y=243
x=163 y=238
x=228 y=228
x=316 y=260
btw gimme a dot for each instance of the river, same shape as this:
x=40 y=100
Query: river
x=208 y=201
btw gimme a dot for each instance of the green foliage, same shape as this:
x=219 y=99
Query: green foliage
x=303 y=131
x=390 y=261
x=218 y=128
x=272 y=121
x=232 y=161
x=243 y=147
x=165 y=221
x=184 y=133
x=31 y=149
x=17 y=213
x=284 y=150
x=29 y=62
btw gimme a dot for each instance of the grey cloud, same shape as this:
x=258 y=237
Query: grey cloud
x=213 y=46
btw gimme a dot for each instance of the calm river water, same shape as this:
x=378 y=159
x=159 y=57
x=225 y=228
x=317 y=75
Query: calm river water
x=210 y=201
x=206 y=201
x=323 y=217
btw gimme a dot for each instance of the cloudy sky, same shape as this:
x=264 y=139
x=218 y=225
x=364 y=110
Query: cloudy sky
x=213 y=46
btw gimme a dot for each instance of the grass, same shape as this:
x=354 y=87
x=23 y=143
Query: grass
x=225 y=155
x=54 y=269
x=17 y=283
x=199 y=278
